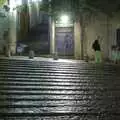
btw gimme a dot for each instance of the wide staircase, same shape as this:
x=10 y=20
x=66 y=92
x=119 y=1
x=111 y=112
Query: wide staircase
x=48 y=90
x=37 y=40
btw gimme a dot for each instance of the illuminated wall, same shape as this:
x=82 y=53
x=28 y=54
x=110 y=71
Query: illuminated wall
x=34 y=12
x=4 y=25
x=104 y=27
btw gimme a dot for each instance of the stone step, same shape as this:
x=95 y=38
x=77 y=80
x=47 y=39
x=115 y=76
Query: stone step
x=54 y=81
x=58 y=88
x=30 y=89
x=56 y=110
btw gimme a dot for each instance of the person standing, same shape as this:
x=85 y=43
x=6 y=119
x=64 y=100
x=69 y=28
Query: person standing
x=96 y=47
x=118 y=54
x=114 y=54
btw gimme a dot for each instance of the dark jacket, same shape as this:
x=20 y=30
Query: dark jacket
x=96 y=46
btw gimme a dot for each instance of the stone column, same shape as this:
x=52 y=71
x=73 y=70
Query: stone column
x=77 y=38
x=12 y=33
x=52 y=35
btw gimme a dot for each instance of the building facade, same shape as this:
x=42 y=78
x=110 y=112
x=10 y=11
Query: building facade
x=84 y=33
x=73 y=38
x=106 y=28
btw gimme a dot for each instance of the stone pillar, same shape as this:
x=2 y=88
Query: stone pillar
x=38 y=12
x=12 y=33
x=77 y=38
x=52 y=36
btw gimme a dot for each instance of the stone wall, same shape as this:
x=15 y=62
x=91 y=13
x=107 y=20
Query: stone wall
x=35 y=14
x=4 y=25
x=104 y=27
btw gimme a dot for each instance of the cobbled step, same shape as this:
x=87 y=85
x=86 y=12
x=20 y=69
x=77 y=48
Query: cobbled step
x=48 y=90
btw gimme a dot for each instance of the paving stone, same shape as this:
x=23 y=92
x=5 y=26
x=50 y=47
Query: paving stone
x=47 y=90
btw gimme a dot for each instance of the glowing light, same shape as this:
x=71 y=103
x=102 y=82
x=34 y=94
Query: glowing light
x=36 y=0
x=30 y=1
x=64 y=19
x=14 y=4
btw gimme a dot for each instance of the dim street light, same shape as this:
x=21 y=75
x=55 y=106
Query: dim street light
x=64 y=19
x=36 y=0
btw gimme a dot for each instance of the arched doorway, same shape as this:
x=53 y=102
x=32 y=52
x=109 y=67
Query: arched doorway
x=64 y=41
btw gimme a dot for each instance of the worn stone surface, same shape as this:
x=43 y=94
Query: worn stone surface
x=48 y=90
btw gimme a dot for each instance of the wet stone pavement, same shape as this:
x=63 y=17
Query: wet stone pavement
x=48 y=90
